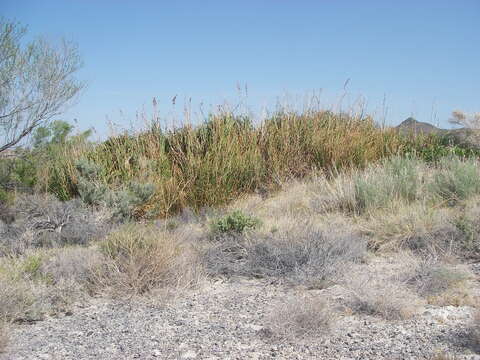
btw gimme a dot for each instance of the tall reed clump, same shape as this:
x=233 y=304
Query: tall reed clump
x=225 y=157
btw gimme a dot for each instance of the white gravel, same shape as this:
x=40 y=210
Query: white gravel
x=228 y=320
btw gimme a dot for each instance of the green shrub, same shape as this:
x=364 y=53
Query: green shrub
x=456 y=179
x=235 y=222
x=122 y=202
x=432 y=148
x=397 y=179
x=31 y=265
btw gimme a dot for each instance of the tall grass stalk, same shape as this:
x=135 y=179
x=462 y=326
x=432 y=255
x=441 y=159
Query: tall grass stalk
x=225 y=157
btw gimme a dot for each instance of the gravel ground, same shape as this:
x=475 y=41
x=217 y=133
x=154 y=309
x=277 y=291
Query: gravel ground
x=229 y=320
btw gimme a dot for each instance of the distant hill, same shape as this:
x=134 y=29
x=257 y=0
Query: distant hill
x=462 y=137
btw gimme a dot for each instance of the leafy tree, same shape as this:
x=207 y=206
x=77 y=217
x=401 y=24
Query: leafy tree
x=53 y=133
x=37 y=82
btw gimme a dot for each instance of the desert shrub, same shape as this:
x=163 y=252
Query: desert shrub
x=77 y=263
x=432 y=279
x=427 y=230
x=396 y=179
x=122 y=201
x=29 y=292
x=301 y=317
x=304 y=254
x=235 y=222
x=379 y=296
x=456 y=179
x=139 y=258
x=4 y=336
x=475 y=329
x=16 y=298
x=226 y=257
x=43 y=221
x=468 y=239
x=7 y=216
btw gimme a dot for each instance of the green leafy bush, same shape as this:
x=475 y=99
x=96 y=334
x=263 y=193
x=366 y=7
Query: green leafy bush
x=235 y=222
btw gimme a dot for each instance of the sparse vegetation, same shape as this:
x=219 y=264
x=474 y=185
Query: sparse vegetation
x=4 y=336
x=375 y=295
x=476 y=329
x=41 y=221
x=301 y=317
x=140 y=258
x=456 y=180
x=333 y=191
x=441 y=355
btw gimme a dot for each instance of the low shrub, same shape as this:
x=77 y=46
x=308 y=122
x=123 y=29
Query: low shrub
x=374 y=295
x=4 y=336
x=303 y=254
x=396 y=179
x=301 y=317
x=77 y=264
x=475 y=329
x=456 y=179
x=122 y=202
x=41 y=221
x=16 y=298
x=235 y=222
x=139 y=258
x=306 y=254
x=432 y=279
x=441 y=355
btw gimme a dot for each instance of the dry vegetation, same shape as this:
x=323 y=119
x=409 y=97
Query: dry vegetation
x=3 y=337
x=301 y=317
x=346 y=207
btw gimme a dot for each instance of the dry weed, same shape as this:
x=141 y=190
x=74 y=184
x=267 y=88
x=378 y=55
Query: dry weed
x=301 y=317
x=388 y=298
x=4 y=336
x=139 y=258
x=475 y=327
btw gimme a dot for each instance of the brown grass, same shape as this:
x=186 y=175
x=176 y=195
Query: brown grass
x=139 y=258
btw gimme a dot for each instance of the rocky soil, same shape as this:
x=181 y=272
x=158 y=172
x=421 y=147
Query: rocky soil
x=230 y=319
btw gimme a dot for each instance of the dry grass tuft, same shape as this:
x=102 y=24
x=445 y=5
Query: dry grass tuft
x=16 y=298
x=475 y=329
x=139 y=258
x=375 y=295
x=301 y=317
x=72 y=263
x=4 y=336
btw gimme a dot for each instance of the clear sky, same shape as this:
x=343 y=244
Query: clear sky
x=422 y=57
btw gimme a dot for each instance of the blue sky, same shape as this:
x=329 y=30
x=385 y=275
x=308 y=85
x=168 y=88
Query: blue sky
x=422 y=57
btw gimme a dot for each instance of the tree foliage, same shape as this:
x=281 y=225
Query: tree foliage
x=37 y=82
